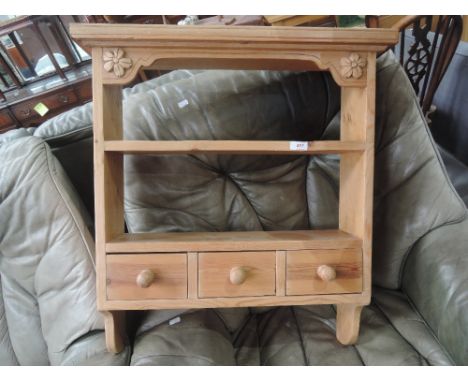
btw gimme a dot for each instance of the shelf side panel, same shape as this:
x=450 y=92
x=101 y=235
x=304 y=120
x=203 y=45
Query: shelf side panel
x=357 y=169
x=108 y=169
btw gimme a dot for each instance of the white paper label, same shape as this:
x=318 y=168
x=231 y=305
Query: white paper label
x=174 y=321
x=182 y=104
x=298 y=145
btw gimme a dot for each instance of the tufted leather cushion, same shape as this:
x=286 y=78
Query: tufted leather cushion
x=413 y=194
x=436 y=280
x=392 y=333
x=222 y=193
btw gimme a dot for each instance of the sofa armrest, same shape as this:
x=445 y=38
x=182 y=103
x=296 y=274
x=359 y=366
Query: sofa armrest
x=435 y=278
x=90 y=350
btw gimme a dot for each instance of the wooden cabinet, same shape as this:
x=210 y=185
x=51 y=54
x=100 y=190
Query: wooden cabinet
x=233 y=269
x=19 y=108
x=55 y=102
x=7 y=120
x=40 y=64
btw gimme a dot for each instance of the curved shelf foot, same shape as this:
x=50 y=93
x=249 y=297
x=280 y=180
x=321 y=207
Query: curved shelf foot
x=114 y=322
x=348 y=318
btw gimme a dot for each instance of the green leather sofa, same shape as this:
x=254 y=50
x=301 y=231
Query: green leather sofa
x=419 y=309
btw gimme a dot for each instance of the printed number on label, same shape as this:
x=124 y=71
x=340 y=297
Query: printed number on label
x=298 y=145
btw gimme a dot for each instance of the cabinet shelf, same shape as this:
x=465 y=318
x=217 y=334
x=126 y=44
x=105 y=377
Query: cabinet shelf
x=231 y=241
x=233 y=147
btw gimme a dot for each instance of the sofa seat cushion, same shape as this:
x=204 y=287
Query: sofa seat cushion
x=392 y=333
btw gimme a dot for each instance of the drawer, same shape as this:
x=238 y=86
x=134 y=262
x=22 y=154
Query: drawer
x=25 y=110
x=236 y=274
x=5 y=118
x=311 y=272
x=151 y=276
x=6 y=121
x=84 y=91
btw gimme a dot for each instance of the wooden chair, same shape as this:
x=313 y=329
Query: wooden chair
x=426 y=60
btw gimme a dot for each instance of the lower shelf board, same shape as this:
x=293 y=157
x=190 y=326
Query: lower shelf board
x=236 y=302
x=232 y=241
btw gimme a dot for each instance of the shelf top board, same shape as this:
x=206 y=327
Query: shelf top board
x=232 y=241
x=108 y=35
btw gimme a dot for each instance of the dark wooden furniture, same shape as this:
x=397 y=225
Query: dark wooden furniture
x=426 y=60
x=302 y=20
x=42 y=71
x=57 y=95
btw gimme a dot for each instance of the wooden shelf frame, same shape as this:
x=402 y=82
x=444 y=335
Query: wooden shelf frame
x=120 y=51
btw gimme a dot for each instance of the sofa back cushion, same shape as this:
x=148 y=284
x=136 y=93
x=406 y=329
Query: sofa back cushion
x=225 y=192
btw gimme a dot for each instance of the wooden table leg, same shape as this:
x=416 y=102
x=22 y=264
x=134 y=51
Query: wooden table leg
x=347 y=323
x=114 y=322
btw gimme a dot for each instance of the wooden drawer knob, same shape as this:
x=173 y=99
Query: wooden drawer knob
x=237 y=275
x=145 y=278
x=326 y=273
x=64 y=98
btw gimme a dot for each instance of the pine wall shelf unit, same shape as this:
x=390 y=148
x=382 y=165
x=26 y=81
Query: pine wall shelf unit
x=234 y=269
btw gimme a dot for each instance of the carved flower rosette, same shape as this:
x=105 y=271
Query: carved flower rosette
x=114 y=61
x=352 y=66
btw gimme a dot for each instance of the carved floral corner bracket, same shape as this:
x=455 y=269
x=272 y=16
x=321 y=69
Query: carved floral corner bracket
x=115 y=61
x=352 y=66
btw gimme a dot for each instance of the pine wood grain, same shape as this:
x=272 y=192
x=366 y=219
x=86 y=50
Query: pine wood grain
x=266 y=37
x=214 y=274
x=108 y=190
x=192 y=274
x=280 y=273
x=234 y=302
x=302 y=266
x=232 y=147
x=170 y=276
x=347 y=323
x=231 y=241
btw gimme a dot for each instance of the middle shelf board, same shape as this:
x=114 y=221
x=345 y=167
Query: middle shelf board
x=232 y=241
x=233 y=147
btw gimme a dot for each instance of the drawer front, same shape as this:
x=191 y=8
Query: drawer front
x=152 y=276
x=25 y=110
x=84 y=91
x=323 y=272
x=236 y=274
x=5 y=120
